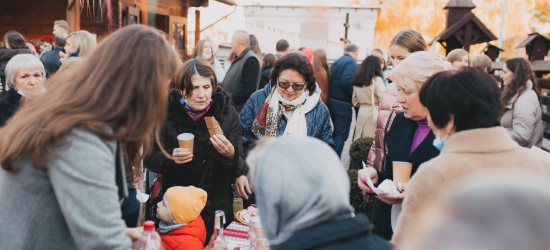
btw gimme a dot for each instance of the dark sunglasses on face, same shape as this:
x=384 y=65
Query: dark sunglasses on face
x=286 y=85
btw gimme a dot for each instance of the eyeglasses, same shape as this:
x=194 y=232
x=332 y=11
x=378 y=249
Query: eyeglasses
x=286 y=85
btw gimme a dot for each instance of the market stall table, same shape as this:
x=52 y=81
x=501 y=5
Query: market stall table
x=236 y=236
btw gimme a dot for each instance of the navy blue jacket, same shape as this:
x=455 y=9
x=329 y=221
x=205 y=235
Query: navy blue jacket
x=352 y=233
x=9 y=105
x=341 y=73
x=318 y=119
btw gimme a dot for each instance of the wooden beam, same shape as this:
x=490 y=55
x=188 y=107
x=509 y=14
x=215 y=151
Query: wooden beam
x=197 y=26
x=73 y=15
x=468 y=36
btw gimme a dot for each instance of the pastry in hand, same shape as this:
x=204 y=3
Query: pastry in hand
x=213 y=126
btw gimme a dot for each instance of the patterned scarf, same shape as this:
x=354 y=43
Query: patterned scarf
x=268 y=119
x=195 y=115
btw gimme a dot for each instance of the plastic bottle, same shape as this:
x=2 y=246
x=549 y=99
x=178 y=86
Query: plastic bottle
x=217 y=242
x=149 y=240
x=258 y=241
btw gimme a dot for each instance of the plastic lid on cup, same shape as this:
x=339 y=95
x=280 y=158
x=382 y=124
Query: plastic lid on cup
x=255 y=222
x=149 y=225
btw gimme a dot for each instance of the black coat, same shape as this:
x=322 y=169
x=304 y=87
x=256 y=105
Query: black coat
x=399 y=140
x=51 y=61
x=264 y=78
x=353 y=233
x=224 y=170
x=9 y=105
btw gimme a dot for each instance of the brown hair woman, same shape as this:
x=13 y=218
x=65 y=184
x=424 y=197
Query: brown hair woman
x=205 y=51
x=61 y=154
x=322 y=73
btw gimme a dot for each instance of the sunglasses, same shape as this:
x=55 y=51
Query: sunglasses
x=286 y=85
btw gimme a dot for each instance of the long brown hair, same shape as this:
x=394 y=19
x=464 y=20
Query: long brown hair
x=320 y=63
x=255 y=47
x=200 y=47
x=111 y=93
x=522 y=73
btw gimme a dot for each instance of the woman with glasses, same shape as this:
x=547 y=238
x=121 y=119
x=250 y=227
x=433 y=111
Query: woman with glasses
x=289 y=104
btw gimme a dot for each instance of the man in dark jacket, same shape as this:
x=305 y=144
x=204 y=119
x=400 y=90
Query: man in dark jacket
x=340 y=95
x=51 y=59
x=243 y=77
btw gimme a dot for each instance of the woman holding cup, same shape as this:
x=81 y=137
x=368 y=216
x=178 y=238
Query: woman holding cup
x=199 y=158
x=410 y=139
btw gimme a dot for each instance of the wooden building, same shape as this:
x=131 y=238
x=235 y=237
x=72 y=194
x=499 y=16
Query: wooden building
x=536 y=46
x=463 y=28
x=36 y=17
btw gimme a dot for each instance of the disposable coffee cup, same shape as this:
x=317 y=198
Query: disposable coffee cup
x=186 y=140
x=401 y=171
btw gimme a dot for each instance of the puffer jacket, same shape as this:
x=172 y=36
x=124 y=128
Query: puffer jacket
x=190 y=237
x=387 y=104
x=223 y=171
x=523 y=119
x=317 y=118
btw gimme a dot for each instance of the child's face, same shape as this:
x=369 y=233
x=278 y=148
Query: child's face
x=164 y=213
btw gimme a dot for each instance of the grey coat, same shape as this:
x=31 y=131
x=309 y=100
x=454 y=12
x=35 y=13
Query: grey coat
x=523 y=119
x=73 y=205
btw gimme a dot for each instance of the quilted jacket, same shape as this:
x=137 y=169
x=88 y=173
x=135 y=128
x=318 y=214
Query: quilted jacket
x=387 y=104
x=190 y=237
x=317 y=119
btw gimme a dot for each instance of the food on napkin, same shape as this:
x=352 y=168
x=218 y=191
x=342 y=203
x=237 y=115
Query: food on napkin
x=386 y=187
x=213 y=126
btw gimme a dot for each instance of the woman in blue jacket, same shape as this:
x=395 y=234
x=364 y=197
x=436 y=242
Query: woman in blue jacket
x=289 y=104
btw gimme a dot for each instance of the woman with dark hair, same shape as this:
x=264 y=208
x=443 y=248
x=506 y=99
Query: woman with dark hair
x=205 y=51
x=368 y=88
x=216 y=160
x=63 y=155
x=522 y=114
x=322 y=72
x=383 y=64
x=267 y=67
x=464 y=110
x=289 y=104
x=255 y=47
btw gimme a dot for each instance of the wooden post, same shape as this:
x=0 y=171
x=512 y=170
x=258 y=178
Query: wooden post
x=197 y=26
x=468 y=36
x=73 y=15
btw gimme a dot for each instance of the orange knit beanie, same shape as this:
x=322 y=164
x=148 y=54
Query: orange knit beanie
x=186 y=203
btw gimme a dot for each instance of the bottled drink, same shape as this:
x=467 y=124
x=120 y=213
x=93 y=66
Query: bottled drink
x=149 y=240
x=217 y=242
x=258 y=241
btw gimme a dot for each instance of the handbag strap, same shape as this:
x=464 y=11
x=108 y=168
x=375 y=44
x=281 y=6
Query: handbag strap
x=120 y=174
x=384 y=147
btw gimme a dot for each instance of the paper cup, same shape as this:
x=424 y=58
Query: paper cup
x=186 y=140
x=401 y=171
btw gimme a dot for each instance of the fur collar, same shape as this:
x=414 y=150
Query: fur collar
x=176 y=113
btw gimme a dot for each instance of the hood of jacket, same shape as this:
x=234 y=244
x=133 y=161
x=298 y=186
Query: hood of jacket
x=6 y=54
x=323 y=188
x=191 y=236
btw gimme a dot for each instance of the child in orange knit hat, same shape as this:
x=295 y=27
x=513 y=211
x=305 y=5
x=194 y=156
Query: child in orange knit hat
x=181 y=225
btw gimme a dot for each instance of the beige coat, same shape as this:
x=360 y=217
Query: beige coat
x=362 y=98
x=523 y=119
x=464 y=153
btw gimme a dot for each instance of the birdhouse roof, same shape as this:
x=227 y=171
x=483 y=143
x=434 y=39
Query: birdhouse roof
x=460 y=4
x=530 y=39
x=488 y=45
x=487 y=34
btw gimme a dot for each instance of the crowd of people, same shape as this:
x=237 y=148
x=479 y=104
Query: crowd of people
x=77 y=134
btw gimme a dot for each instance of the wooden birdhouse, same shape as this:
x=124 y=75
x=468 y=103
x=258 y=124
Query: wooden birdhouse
x=463 y=28
x=536 y=46
x=492 y=51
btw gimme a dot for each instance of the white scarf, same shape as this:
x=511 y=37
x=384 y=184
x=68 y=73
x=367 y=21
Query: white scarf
x=297 y=123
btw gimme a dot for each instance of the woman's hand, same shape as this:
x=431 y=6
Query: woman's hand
x=392 y=198
x=242 y=187
x=223 y=145
x=362 y=182
x=134 y=233
x=182 y=155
